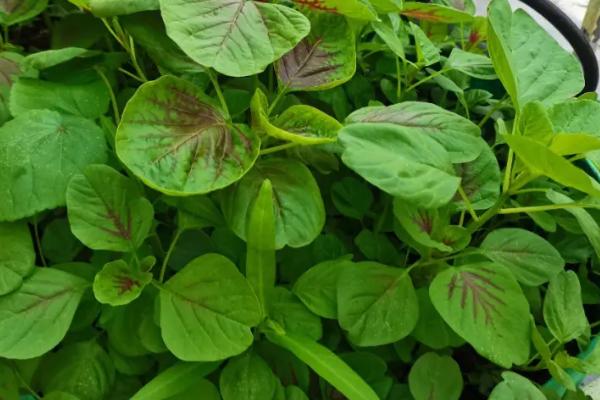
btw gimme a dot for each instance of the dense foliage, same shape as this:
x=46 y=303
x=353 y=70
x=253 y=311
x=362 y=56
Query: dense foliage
x=287 y=200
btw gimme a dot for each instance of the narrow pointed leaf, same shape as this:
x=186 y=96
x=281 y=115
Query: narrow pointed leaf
x=174 y=139
x=327 y=365
x=435 y=13
x=260 y=253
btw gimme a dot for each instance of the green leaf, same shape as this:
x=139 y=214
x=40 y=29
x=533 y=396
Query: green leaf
x=300 y=124
x=484 y=304
x=260 y=254
x=82 y=369
x=59 y=396
x=51 y=58
x=239 y=38
x=119 y=284
x=427 y=52
x=390 y=37
x=535 y=123
x=423 y=225
x=36 y=317
x=377 y=304
x=39 y=153
x=295 y=393
x=542 y=161
x=177 y=378
x=293 y=316
x=475 y=65
x=358 y=9
x=294 y=188
x=563 y=309
x=456 y=134
x=207 y=310
x=326 y=364
x=107 y=210
x=9 y=385
x=248 y=377
x=196 y=212
x=530 y=63
x=352 y=197
x=435 y=13
x=480 y=179
x=88 y=100
x=561 y=376
x=530 y=258
x=515 y=387
x=576 y=116
x=59 y=245
x=413 y=167
x=148 y=31
x=173 y=138
x=317 y=287
x=202 y=389
x=435 y=377
x=111 y=8
x=17 y=256
x=324 y=59
x=15 y=11
x=588 y=224
x=574 y=143
x=431 y=329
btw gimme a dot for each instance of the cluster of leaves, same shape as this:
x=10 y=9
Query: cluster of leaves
x=288 y=200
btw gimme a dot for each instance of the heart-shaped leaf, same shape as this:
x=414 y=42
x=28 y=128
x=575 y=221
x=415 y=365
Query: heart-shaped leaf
x=324 y=59
x=413 y=167
x=174 y=139
x=107 y=211
x=39 y=153
x=236 y=38
x=17 y=256
x=207 y=310
x=294 y=187
x=484 y=304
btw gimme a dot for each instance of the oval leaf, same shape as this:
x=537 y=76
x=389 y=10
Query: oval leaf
x=435 y=377
x=17 y=256
x=563 y=308
x=118 y=283
x=484 y=304
x=531 y=259
x=36 y=317
x=174 y=139
x=377 y=304
x=294 y=188
x=237 y=38
x=456 y=134
x=413 y=167
x=516 y=387
x=325 y=59
x=207 y=310
x=248 y=377
x=107 y=211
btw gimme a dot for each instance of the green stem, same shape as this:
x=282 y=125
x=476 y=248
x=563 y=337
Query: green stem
x=134 y=60
x=427 y=78
x=531 y=190
x=163 y=268
x=550 y=207
x=38 y=242
x=129 y=74
x=276 y=101
x=398 y=80
x=5 y=34
x=467 y=202
x=280 y=147
x=489 y=214
x=217 y=87
x=24 y=384
x=489 y=114
x=113 y=99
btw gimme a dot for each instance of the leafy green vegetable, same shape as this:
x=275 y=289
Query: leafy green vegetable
x=293 y=200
